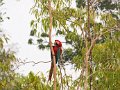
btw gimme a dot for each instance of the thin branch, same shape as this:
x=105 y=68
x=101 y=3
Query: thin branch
x=61 y=78
x=34 y=62
x=66 y=79
x=81 y=75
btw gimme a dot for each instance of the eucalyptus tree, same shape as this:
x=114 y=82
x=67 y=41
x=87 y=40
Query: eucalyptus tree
x=98 y=27
x=84 y=28
x=46 y=11
x=110 y=10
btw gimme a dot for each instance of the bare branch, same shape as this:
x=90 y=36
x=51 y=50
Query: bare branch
x=34 y=62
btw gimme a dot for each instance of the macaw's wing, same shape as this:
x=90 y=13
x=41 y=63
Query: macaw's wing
x=58 y=55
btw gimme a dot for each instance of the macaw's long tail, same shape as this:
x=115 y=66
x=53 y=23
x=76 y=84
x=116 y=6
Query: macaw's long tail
x=51 y=72
x=57 y=57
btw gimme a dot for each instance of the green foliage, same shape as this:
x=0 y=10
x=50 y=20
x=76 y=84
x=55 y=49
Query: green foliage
x=38 y=82
x=1 y=43
x=7 y=59
x=31 y=82
x=44 y=35
x=30 y=41
x=80 y=3
x=39 y=41
x=68 y=54
x=41 y=46
x=105 y=5
x=108 y=5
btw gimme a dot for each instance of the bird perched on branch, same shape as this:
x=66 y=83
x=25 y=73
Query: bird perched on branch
x=57 y=48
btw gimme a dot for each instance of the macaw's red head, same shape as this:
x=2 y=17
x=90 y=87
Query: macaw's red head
x=57 y=42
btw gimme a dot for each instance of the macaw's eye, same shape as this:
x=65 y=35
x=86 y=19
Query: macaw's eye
x=56 y=44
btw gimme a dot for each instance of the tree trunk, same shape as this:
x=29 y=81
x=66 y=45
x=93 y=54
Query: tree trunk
x=50 y=42
x=91 y=70
x=86 y=70
x=87 y=39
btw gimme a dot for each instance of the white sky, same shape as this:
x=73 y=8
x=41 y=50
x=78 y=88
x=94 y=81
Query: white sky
x=18 y=29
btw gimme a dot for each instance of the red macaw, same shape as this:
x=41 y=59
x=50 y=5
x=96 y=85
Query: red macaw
x=57 y=51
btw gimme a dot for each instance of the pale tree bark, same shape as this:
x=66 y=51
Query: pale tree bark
x=50 y=42
x=87 y=38
x=91 y=70
x=87 y=56
x=86 y=68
